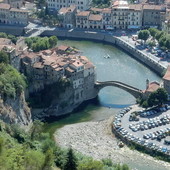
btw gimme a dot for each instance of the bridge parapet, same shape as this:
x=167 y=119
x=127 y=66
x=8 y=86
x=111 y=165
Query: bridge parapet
x=130 y=89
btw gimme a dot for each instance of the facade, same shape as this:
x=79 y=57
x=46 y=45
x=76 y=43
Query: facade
x=10 y=15
x=67 y=15
x=82 y=19
x=107 y=18
x=95 y=21
x=135 y=17
x=58 y=4
x=153 y=15
x=166 y=80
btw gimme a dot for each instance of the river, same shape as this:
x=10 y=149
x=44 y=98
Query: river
x=120 y=67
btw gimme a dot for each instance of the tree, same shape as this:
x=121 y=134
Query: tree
x=158 y=97
x=143 y=35
x=90 y=164
x=4 y=57
x=153 y=32
x=159 y=35
x=71 y=161
x=53 y=41
x=167 y=43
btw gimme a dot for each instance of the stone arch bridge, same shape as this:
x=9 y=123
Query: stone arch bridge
x=130 y=89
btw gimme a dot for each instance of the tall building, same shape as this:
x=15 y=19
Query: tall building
x=58 y=4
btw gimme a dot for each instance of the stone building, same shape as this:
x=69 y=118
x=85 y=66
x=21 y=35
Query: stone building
x=153 y=15
x=82 y=19
x=10 y=15
x=67 y=16
x=120 y=12
x=95 y=21
x=107 y=18
x=58 y=4
x=135 y=16
x=166 y=80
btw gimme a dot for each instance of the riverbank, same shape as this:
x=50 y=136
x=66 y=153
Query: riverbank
x=96 y=139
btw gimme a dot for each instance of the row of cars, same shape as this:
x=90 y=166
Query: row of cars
x=142 y=142
x=159 y=134
x=117 y=120
x=150 y=123
x=153 y=111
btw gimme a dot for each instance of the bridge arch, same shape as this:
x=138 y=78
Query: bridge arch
x=130 y=89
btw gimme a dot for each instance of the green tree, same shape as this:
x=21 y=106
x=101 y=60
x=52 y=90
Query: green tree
x=53 y=41
x=160 y=34
x=71 y=161
x=143 y=35
x=158 y=97
x=153 y=32
x=167 y=43
x=90 y=164
x=4 y=57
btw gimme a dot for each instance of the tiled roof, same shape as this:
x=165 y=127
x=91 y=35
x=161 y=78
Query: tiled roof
x=153 y=86
x=136 y=7
x=63 y=47
x=95 y=17
x=167 y=74
x=83 y=13
x=4 y=6
x=152 y=7
x=64 y=10
x=106 y=10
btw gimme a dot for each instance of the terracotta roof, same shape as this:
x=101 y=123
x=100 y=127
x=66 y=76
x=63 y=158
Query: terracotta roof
x=96 y=9
x=95 y=17
x=107 y=10
x=70 y=70
x=167 y=74
x=77 y=64
x=88 y=65
x=64 y=10
x=135 y=7
x=38 y=65
x=63 y=47
x=4 y=6
x=18 y=10
x=5 y=41
x=152 y=7
x=153 y=86
x=83 y=13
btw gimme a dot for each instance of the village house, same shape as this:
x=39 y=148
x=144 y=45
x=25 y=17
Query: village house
x=107 y=18
x=153 y=15
x=67 y=16
x=82 y=19
x=95 y=21
x=81 y=5
x=10 y=15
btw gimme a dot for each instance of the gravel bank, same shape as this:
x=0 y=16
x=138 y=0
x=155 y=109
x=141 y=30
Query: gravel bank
x=95 y=139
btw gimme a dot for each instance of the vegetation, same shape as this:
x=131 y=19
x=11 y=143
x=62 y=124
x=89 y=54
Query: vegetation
x=162 y=38
x=41 y=43
x=37 y=151
x=101 y=3
x=4 y=58
x=143 y=35
x=156 y=98
x=11 y=81
x=9 y=36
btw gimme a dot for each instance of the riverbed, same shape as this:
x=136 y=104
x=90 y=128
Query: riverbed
x=111 y=64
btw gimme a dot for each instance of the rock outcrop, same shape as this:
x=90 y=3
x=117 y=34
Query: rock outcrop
x=15 y=111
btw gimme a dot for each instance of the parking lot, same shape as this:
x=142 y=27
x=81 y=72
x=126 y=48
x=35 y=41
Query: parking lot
x=148 y=128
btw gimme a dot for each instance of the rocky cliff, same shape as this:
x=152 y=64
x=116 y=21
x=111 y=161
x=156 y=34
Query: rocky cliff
x=15 y=110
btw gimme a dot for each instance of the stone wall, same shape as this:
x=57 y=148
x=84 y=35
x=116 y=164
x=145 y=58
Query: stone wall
x=14 y=30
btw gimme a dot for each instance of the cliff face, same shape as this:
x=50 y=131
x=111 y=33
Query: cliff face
x=15 y=111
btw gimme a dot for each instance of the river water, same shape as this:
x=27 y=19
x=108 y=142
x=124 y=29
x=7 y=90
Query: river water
x=120 y=67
